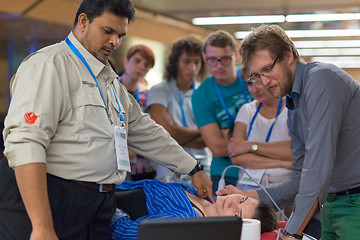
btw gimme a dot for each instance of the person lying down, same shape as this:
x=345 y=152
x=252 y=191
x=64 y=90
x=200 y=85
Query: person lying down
x=180 y=200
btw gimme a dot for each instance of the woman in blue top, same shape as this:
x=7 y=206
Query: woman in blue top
x=179 y=200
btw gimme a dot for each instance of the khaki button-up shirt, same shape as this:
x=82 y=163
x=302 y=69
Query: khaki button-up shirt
x=57 y=116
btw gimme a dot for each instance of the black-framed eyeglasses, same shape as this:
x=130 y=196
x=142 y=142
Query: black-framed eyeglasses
x=239 y=213
x=243 y=199
x=256 y=77
x=213 y=61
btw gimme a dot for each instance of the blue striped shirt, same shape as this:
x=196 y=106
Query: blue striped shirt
x=163 y=200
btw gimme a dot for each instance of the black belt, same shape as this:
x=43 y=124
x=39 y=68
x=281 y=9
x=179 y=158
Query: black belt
x=355 y=190
x=100 y=187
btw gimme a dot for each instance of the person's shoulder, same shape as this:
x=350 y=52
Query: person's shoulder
x=51 y=53
x=312 y=67
x=158 y=90
x=204 y=87
x=248 y=107
x=158 y=94
x=326 y=73
x=159 y=86
x=206 y=82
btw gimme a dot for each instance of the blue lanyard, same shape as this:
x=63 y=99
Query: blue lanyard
x=117 y=101
x=137 y=91
x=272 y=125
x=182 y=109
x=231 y=117
x=78 y=54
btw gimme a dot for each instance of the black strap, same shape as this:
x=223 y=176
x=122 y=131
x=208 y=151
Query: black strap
x=193 y=205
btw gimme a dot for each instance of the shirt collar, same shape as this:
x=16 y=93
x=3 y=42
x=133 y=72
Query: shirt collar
x=291 y=99
x=298 y=78
x=96 y=66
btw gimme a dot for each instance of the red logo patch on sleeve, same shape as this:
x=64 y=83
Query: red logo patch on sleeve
x=30 y=118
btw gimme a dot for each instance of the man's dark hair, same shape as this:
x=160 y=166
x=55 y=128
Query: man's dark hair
x=190 y=45
x=266 y=215
x=95 y=8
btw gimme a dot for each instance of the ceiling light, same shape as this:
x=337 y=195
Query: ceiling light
x=238 y=20
x=329 y=52
x=322 y=17
x=311 y=33
x=342 y=62
x=275 y=18
x=327 y=44
x=323 y=33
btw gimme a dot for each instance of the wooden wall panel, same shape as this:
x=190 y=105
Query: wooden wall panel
x=15 y=6
x=55 y=12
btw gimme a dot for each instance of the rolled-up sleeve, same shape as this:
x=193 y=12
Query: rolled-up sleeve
x=33 y=113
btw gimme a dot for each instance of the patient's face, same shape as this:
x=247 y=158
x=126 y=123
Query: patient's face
x=236 y=205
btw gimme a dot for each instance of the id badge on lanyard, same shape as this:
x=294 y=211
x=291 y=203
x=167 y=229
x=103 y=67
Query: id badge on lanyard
x=256 y=174
x=121 y=147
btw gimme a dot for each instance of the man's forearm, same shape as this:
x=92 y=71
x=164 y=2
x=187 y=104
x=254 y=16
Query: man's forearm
x=197 y=142
x=184 y=135
x=31 y=180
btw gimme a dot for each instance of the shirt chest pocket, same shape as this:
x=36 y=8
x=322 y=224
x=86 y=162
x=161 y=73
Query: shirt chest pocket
x=90 y=117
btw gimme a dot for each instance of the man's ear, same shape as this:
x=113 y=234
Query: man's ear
x=289 y=57
x=125 y=61
x=83 y=21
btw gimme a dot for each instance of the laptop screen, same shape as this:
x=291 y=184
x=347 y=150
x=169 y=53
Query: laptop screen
x=209 y=228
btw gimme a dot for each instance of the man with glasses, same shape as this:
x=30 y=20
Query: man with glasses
x=217 y=101
x=324 y=120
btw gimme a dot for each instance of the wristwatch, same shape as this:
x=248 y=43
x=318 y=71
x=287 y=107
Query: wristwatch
x=198 y=167
x=294 y=236
x=254 y=148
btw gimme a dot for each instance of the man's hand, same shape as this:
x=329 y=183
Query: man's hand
x=238 y=147
x=203 y=185
x=230 y=189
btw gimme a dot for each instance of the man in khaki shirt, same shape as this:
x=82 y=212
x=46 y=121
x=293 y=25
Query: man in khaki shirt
x=59 y=133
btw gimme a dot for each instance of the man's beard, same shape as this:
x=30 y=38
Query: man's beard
x=289 y=81
x=285 y=86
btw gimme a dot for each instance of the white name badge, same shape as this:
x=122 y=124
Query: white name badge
x=122 y=154
x=256 y=174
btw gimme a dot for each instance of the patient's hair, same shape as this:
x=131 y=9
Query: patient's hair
x=266 y=215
